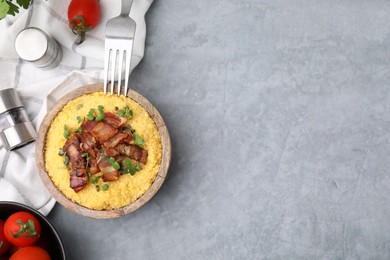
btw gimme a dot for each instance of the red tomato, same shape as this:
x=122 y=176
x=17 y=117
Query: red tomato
x=83 y=16
x=30 y=253
x=22 y=229
x=4 y=244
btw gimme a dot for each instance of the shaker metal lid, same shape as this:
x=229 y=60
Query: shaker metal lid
x=9 y=99
x=18 y=135
x=31 y=44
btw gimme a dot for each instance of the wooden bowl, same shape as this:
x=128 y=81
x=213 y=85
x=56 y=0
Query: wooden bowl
x=102 y=214
x=50 y=239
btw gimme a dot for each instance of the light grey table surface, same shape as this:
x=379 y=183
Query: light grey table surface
x=279 y=116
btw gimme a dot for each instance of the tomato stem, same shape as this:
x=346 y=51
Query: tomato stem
x=28 y=227
x=79 y=28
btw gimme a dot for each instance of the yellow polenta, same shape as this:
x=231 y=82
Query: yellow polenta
x=123 y=191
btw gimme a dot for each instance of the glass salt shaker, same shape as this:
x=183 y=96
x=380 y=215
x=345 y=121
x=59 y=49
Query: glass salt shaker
x=37 y=47
x=16 y=129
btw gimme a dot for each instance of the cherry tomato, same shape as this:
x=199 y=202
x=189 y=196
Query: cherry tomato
x=4 y=244
x=83 y=16
x=30 y=253
x=22 y=229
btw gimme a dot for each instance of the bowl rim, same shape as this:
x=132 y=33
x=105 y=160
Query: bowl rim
x=79 y=209
x=42 y=218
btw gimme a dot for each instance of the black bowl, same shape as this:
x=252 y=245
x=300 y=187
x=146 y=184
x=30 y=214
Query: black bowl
x=55 y=246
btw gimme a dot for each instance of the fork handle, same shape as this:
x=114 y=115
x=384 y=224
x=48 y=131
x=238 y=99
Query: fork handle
x=126 y=6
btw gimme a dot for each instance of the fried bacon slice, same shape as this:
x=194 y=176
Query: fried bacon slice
x=100 y=130
x=109 y=173
x=133 y=152
x=78 y=176
x=115 y=140
x=114 y=120
x=88 y=142
x=78 y=179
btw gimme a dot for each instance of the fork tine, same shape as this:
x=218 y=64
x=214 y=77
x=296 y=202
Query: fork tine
x=106 y=62
x=127 y=69
x=113 y=63
x=119 y=38
x=120 y=66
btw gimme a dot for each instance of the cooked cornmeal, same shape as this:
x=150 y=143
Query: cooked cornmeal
x=123 y=191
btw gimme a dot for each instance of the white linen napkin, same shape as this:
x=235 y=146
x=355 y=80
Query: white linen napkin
x=39 y=89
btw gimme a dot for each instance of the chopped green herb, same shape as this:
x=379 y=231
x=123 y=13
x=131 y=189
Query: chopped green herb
x=87 y=165
x=79 y=106
x=105 y=187
x=78 y=130
x=100 y=117
x=97 y=187
x=125 y=112
x=61 y=152
x=66 y=161
x=78 y=119
x=91 y=114
x=128 y=112
x=121 y=113
x=116 y=166
x=138 y=166
x=96 y=179
x=129 y=167
x=101 y=114
x=111 y=160
x=138 y=141
x=114 y=163
x=66 y=132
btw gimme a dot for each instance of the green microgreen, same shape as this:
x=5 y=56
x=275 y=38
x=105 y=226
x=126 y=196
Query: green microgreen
x=138 y=166
x=125 y=112
x=66 y=161
x=101 y=114
x=78 y=130
x=66 y=132
x=130 y=168
x=138 y=141
x=105 y=187
x=96 y=179
x=100 y=117
x=91 y=114
x=79 y=119
x=114 y=163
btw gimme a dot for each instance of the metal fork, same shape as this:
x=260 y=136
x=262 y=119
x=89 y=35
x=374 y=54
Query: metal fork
x=119 y=40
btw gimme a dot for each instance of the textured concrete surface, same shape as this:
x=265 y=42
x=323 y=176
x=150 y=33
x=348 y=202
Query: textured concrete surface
x=279 y=115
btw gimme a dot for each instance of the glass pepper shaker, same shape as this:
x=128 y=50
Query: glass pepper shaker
x=16 y=129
